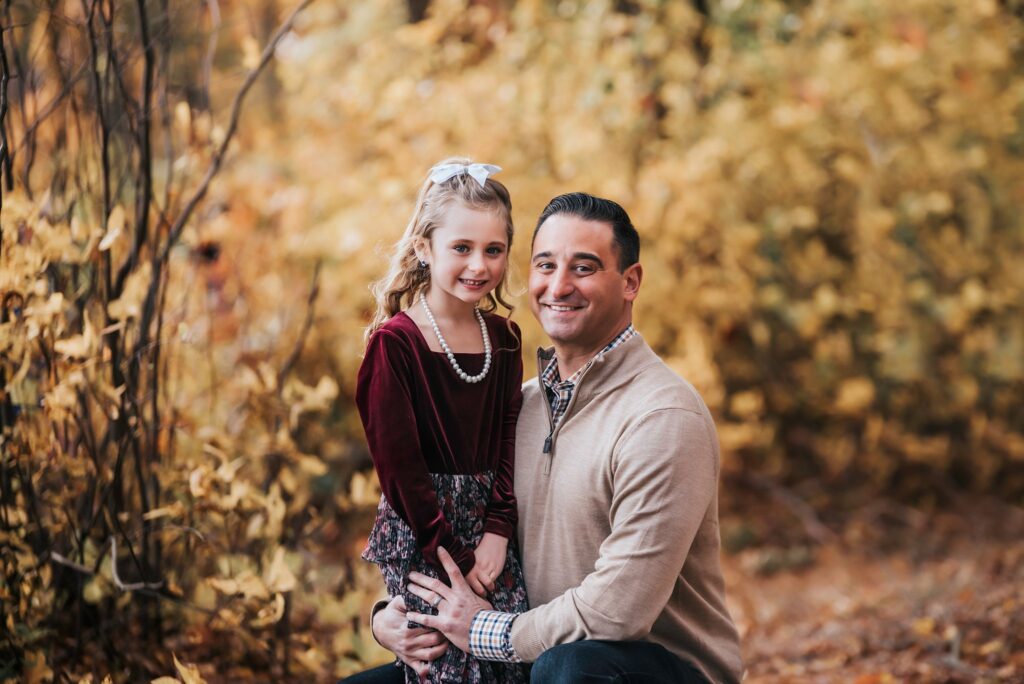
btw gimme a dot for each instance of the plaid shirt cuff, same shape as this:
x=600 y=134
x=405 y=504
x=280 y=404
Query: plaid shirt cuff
x=490 y=636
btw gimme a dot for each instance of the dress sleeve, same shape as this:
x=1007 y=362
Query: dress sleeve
x=384 y=396
x=502 y=514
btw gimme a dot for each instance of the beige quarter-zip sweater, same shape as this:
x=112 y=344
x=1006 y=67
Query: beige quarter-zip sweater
x=618 y=515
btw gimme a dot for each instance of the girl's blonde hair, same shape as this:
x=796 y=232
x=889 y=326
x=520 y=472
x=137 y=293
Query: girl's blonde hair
x=406 y=278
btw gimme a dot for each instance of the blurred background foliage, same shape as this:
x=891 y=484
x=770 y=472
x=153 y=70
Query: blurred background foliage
x=828 y=194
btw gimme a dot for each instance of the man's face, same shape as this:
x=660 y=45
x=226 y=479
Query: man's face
x=576 y=290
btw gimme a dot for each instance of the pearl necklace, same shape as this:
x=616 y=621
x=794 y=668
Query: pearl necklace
x=448 y=350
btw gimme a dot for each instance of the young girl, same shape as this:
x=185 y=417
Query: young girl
x=439 y=394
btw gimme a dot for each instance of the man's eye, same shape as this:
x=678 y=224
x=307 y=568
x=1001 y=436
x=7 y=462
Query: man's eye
x=544 y=266
x=583 y=269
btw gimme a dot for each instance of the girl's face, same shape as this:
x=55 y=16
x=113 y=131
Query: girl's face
x=467 y=253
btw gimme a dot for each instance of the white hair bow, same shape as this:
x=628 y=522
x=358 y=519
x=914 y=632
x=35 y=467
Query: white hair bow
x=478 y=172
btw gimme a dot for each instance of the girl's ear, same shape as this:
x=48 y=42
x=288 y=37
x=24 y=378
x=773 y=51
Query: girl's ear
x=421 y=247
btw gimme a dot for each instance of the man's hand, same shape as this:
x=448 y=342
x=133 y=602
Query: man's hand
x=458 y=603
x=490 y=561
x=415 y=646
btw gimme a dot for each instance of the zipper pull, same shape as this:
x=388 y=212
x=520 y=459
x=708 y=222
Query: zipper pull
x=547 y=445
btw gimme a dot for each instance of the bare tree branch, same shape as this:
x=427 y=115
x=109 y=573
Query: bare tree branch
x=236 y=112
x=5 y=150
x=132 y=586
x=176 y=229
x=307 y=324
x=211 y=46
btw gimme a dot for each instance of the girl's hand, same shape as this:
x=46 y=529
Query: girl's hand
x=490 y=560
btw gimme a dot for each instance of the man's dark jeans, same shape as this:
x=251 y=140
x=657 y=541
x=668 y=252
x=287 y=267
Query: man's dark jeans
x=585 y=662
x=385 y=674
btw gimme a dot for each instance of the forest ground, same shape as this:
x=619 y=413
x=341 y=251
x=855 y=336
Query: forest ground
x=899 y=595
x=888 y=593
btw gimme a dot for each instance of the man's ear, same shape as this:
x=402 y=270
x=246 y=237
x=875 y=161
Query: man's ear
x=631 y=279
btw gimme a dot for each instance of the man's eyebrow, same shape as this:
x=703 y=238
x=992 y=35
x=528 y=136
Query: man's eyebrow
x=577 y=256
x=587 y=256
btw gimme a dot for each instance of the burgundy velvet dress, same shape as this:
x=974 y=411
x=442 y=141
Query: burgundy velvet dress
x=444 y=453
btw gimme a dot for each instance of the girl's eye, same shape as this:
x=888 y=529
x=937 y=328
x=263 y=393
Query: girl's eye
x=461 y=249
x=496 y=250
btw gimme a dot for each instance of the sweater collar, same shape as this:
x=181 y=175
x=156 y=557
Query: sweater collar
x=608 y=370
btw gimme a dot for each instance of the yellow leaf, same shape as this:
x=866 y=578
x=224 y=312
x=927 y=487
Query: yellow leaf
x=95 y=589
x=924 y=626
x=311 y=465
x=229 y=617
x=129 y=304
x=326 y=389
x=198 y=482
x=115 y=226
x=35 y=669
x=48 y=310
x=227 y=471
x=182 y=118
x=250 y=52
x=78 y=346
x=173 y=510
x=271 y=614
x=224 y=585
x=239 y=491
x=279 y=577
x=749 y=404
x=188 y=673
x=213 y=450
x=247 y=584
x=855 y=395
x=364 y=490
x=252 y=586
x=312 y=659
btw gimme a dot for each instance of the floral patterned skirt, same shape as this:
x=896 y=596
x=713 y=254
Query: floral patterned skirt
x=392 y=546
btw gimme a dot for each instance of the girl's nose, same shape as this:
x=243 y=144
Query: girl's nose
x=476 y=263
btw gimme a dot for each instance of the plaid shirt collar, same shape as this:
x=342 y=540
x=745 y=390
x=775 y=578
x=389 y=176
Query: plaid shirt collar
x=560 y=391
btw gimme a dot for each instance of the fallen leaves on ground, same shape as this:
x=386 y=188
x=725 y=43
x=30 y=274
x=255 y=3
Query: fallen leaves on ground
x=948 y=606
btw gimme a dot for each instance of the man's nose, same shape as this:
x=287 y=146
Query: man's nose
x=561 y=284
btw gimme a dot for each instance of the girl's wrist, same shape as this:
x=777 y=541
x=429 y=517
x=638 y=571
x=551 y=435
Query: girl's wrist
x=496 y=536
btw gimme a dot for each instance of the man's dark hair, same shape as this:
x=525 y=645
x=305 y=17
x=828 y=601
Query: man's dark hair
x=589 y=208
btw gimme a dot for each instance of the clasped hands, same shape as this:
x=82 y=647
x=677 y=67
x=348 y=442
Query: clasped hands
x=456 y=607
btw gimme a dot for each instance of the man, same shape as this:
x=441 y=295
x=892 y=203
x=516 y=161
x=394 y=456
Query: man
x=616 y=479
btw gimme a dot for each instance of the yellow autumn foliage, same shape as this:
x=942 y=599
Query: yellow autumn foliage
x=828 y=198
